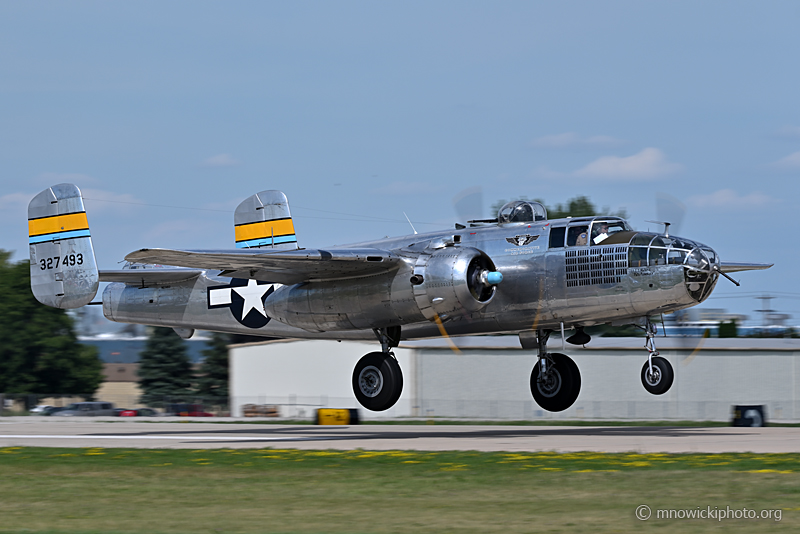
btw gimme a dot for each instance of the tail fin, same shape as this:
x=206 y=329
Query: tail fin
x=63 y=267
x=263 y=221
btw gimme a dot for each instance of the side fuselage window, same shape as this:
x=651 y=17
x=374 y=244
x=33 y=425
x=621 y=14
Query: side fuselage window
x=577 y=236
x=557 y=237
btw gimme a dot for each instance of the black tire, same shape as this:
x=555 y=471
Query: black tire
x=562 y=389
x=398 y=384
x=662 y=378
x=377 y=381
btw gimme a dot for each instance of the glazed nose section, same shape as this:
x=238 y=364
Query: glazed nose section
x=701 y=270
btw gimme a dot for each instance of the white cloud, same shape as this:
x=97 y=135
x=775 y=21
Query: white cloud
x=220 y=160
x=789 y=163
x=648 y=164
x=729 y=199
x=575 y=141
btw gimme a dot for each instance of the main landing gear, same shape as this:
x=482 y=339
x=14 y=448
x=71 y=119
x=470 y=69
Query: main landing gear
x=377 y=378
x=555 y=380
x=657 y=373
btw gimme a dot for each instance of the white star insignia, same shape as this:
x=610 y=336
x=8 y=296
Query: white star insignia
x=252 y=294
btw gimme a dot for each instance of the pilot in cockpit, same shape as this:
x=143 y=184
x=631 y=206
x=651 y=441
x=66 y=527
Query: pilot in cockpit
x=599 y=232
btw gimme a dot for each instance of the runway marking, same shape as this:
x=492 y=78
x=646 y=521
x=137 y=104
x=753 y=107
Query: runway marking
x=195 y=438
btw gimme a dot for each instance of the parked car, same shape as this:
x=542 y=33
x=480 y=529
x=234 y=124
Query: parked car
x=86 y=409
x=53 y=409
x=39 y=409
x=142 y=412
x=187 y=410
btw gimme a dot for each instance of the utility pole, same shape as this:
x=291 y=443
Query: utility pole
x=766 y=310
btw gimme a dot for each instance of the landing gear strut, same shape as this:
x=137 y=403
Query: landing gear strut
x=555 y=380
x=377 y=378
x=657 y=373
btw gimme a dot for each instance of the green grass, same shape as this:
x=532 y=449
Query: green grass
x=286 y=490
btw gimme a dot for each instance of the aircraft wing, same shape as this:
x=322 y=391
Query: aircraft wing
x=283 y=267
x=734 y=267
x=150 y=276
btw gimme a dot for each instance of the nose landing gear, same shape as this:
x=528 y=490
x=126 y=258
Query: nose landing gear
x=657 y=373
x=555 y=381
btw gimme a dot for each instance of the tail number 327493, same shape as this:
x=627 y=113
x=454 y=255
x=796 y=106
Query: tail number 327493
x=70 y=260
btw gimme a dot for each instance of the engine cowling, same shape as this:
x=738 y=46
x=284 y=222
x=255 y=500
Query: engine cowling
x=453 y=280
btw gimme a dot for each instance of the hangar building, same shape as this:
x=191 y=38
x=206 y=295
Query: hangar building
x=488 y=377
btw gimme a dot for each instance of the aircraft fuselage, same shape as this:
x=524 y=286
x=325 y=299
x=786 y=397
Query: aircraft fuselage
x=545 y=284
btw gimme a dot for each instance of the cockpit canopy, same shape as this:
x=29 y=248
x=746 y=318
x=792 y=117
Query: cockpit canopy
x=521 y=211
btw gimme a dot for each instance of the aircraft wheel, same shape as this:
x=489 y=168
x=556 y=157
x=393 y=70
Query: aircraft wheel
x=377 y=381
x=661 y=379
x=560 y=388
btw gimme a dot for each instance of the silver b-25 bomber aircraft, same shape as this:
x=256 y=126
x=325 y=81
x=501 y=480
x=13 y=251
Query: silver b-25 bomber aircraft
x=519 y=273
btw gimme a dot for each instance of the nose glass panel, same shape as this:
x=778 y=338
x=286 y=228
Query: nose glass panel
x=700 y=274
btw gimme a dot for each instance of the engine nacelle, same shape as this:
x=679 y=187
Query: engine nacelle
x=453 y=280
x=433 y=283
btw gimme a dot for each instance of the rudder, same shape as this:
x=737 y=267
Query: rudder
x=63 y=267
x=263 y=221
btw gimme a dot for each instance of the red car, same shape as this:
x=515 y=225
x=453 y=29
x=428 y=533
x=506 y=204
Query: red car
x=144 y=412
x=188 y=410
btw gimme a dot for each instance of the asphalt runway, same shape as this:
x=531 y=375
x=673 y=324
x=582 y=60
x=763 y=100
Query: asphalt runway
x=138 y=433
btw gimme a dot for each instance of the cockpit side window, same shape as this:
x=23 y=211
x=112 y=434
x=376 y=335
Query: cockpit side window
x=577 y=236
x=602 y=230
x=557 y=237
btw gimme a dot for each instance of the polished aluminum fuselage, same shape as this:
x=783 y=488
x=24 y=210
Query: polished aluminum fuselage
x=542 y=288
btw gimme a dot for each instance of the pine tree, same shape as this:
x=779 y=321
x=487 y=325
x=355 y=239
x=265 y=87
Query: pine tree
x=728 y=329
x=213 y=381
x=165 y=372
x=39 y=351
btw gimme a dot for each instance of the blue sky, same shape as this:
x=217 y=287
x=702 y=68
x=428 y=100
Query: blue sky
x=167 y=114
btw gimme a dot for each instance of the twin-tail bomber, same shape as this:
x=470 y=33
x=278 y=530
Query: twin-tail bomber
x=519 y=273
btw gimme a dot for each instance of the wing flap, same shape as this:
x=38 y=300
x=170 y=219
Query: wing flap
x=284 y=267
x=149 y=277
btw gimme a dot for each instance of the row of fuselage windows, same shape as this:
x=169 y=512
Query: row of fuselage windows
x=578 y=235
x=638 y=256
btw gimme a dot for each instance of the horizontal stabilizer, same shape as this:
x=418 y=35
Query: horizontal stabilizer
x=283 y=267
x=735 y=267
x=63 y=266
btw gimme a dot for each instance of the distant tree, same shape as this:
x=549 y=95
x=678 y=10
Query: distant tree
x=575 y=207
x=728 y=329
x=39 y=351
x=165 y=371
x=212 y=383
